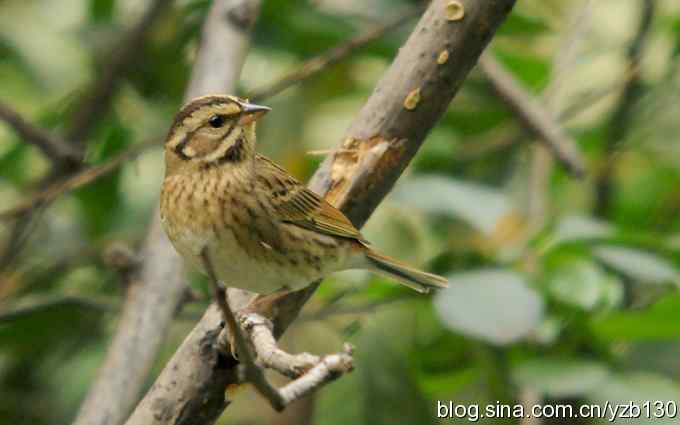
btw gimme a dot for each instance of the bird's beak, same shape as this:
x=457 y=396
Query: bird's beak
x=251 y=112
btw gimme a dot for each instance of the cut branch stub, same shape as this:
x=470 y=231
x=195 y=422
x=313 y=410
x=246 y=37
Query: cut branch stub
x=384 y=117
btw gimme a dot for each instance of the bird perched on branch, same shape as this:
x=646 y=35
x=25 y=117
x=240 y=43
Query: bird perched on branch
x=261 y=227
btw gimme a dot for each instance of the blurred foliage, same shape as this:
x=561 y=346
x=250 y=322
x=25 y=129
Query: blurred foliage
x=565 y=305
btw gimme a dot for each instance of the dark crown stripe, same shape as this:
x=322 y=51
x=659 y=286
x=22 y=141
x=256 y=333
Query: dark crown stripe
x=193 y=107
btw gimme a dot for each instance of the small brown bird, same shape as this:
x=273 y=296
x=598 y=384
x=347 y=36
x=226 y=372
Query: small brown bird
x=262 y=228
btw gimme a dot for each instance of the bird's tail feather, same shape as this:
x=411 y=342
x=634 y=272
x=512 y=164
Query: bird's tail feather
x=406 y=275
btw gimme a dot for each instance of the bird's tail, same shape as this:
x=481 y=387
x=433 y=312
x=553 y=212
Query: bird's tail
x=406 y=275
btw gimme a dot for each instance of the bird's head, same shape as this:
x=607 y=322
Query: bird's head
x=212 y=131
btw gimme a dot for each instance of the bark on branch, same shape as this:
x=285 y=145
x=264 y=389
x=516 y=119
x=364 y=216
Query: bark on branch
x=389 y=129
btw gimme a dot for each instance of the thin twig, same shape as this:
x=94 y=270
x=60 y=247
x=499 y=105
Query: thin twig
x=317 y=64
x=329 y=368
x=533 y=117
x=566 y=56
x=91 y=107
x=34 y=304
x=260 y=330
x=98 y=98
x=82 y=178
x=588 y=99
x=54 y=148
x=621 y=119
x=339 y=310
x=581 y=104
x=19 y=237
x=310 y=372
x=542 y=163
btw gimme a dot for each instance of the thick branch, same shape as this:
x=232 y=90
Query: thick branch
x=153 y=298
x=379 y=145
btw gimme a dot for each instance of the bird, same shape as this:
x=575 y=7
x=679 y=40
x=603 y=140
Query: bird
x=263 y=229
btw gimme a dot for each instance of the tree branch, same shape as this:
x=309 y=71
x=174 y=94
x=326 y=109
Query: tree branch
x=379 y=145
x=533 y=116
x=260 y=331
x=54 y=148
x=620 y=121
x=98 y=98
x=307 y=70
x=158 y=288
x=541 y=161
x=79 y=179
x=317 y=64
x=94 y=104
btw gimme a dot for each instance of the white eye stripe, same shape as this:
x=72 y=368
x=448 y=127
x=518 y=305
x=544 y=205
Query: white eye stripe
x=189 y=151
x=219 y=152
x=222 y=149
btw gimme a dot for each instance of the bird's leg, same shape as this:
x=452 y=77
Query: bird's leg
x=253 y=373
x=317 y=371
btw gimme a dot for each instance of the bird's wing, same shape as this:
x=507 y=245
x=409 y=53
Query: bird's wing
x=294 y=203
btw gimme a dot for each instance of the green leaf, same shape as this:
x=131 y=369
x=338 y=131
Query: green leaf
x=38 y=332
x=389 y=391
x=13 y=163
x=660 y=321
x=638 y=265
x=479 y=206
x=15 y=68
x=519 y=24
x=101 y=201
x=560 y=377
x=637 y=388
x=533 y=71
x=101 y=10
x=582 y=283
x=578 y=227
x=494 y=305
x=449 y=382
x=469 y=121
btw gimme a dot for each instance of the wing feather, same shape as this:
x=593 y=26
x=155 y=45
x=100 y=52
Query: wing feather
x=294 y=203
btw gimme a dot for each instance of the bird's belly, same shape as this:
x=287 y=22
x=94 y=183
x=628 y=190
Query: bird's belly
x=235 y=267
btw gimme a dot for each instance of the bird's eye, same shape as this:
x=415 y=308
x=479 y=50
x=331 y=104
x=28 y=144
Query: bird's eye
x=217 y=121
